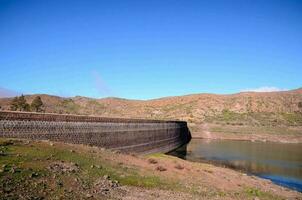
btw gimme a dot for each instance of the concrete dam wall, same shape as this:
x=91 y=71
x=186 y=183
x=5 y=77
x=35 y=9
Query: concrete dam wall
x=126 y=135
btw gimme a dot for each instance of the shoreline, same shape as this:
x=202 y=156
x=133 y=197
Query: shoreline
x=247 y=133
x=239 y=170
x=249 y=139
x=87 y=170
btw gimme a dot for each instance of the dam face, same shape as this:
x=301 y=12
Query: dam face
x=126 y=135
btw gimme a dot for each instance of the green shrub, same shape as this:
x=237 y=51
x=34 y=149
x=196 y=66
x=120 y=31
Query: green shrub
x=37 y=104
x=20 y=104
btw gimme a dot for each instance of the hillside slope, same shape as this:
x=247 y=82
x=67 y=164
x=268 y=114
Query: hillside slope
x=53 y=170
x=248 y=109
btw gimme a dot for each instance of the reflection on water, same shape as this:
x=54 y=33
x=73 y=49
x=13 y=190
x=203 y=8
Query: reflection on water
x=281 y=163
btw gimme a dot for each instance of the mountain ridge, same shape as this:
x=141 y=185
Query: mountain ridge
x=193 y=107
x=267 y=116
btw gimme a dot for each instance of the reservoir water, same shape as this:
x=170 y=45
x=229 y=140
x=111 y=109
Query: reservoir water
x=281 y=163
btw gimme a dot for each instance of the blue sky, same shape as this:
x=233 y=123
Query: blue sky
x=149 y=49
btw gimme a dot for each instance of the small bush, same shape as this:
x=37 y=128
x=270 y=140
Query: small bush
x=254 y=192
x=152 y=161
x=37 y=104
x=161 y=168
x=19 y=104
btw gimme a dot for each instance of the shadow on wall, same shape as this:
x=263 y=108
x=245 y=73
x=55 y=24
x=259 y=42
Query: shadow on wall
x=181 y=152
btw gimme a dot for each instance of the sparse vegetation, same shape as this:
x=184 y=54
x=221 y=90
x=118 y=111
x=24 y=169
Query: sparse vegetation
x=69 y=106
x=152 y=161
x=38 y=170
x=293 y=118
x=161 y=168
x=245 y=113
x=238 y=109
x=30 y=169
x=256 y=119
x=20 y=104
x=37 y=104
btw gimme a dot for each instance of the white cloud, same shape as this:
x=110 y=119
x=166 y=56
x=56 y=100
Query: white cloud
x=264 y=89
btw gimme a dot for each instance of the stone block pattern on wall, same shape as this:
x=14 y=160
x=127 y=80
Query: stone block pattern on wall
x=127 y=135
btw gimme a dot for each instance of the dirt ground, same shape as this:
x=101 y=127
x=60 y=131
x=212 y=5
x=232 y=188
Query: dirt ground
x=52 y=170
x=231 y=132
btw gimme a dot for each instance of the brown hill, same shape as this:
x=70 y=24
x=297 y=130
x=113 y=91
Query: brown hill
x=247 y=107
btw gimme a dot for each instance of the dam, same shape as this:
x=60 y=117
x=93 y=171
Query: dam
x=127 y=135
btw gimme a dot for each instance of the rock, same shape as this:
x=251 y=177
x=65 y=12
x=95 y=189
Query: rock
x=12 y=170
x=133 y=155
x=89 y=195
x=114 y=184
x=34 y=174
x=59 y=183
x=106 y=177
x=62 y=167
x=2 y=153
x=105 y=186
x=178 y=166
x=116 y=152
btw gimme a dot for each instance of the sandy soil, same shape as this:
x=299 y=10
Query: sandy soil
x=204 y=178
x=179 y=179
x=203 y=131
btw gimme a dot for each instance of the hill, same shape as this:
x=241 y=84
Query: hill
x=269 y=112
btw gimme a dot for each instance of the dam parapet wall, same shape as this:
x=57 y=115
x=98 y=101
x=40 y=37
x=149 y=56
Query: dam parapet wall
x=126 y=135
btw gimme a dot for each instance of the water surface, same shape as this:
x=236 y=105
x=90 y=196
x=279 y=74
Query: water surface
x=281 y=163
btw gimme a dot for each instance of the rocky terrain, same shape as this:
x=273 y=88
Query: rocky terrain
x=52 y=170
x=275 y=116
x=193 y=108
